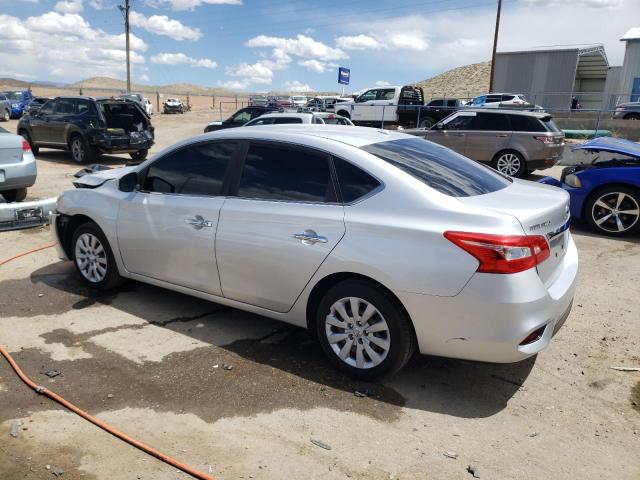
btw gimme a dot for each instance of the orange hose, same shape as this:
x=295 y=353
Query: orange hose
x=27 y=252
x=70 y=406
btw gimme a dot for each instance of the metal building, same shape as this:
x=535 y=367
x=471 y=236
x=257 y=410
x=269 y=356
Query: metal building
x=630 y=74
x=554 y=76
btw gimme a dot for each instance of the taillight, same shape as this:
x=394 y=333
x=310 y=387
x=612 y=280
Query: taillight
x=544 y=139
x=26 y=148
x=502 y=253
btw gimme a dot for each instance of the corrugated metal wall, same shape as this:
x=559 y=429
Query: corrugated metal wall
x=534 y=72
x=612 y=88
x=630 y=68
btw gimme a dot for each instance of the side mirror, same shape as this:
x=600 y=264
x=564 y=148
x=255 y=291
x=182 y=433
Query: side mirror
x=129 y=182
x=439 y=126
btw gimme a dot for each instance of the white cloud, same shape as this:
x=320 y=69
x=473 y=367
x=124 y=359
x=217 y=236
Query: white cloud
x=389 y=40
x=297 y=86
x=163 y=25
x=252 y=73
x=301 y=46
x=69 y=6
x=182 y=59
x=358 y=42
x=65 y=46
x=144 y=77
x=382 y=83
x=236 y=84
x=97 y=4
x=577 y=3
x=317 y=66
x=190 y=4
x=19 y=75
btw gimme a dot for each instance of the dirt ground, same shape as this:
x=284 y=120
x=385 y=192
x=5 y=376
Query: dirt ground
x=151 y=363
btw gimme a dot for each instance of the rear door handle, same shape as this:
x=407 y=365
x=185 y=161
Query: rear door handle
x=309 y=237
x=502 y=135
x=198 y=222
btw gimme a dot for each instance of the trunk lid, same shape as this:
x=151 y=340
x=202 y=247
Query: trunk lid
x=10 y=148
x=540 y=209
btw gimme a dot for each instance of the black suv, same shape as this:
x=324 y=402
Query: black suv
x=239 y=118
x=89 y=126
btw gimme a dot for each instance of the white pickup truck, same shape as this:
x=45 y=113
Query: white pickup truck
x=394 y=105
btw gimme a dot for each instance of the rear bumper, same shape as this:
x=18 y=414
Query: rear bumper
x=493 y=314
x=18 y=175
x=547 y=157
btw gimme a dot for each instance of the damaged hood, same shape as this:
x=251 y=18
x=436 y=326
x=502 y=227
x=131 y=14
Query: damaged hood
x=95 y=179
x=612 y=145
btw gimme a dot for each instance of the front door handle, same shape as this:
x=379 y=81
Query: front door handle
x=309 y=237
x=198 y=222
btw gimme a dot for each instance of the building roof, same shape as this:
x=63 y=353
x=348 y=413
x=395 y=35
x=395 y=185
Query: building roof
x=632 y=34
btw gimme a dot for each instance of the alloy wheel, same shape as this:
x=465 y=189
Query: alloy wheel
x=6 y=116
x=615 y=212
x=91 y=258
x=509 y=164
x=357 y=333
x=77 y=150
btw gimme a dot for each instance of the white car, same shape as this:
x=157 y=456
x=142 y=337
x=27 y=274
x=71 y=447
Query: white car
x=379 y=242
x=502 y=100
x=299 y=100
x=148 y=106
x=308 y=118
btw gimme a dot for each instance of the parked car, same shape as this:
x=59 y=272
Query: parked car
x=88 y=126
x=34 y=105
x=239 y=118
x=284 y=101
x=299 y=100
x=147 y=106
x=18 y=100
x=605 y=193
x=5 y=108
x=136 y=97
x=325 y=103
x=502 y=100
x=476 y=265
x=513 y=142
x=307 y=118
x=628 y=111
x=174 y=105
x=438 y=109
x=17 y=166
x=258 y=101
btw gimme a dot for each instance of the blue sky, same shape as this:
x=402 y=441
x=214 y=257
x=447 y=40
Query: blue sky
x=259 y=45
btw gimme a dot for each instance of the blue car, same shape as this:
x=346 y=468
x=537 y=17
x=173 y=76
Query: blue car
x=605 y=194
x=18 y=100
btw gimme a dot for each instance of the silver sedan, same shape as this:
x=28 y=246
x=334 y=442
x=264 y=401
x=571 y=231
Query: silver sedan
x=17 y=166
x=381 y=243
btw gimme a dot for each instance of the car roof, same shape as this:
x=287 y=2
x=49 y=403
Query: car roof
x=510 y=111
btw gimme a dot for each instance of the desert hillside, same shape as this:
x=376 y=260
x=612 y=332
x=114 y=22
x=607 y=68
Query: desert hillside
x=465 y=81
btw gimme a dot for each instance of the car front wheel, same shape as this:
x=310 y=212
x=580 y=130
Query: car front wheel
x=93 y=257
x=363 y=331
x=614 y=211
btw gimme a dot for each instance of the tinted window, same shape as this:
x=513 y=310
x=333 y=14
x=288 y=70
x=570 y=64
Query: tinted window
x=492 y=121
x=524 y=123
x=195 y=170
x=493 y=98
x=436 y=103
x=366 y=96
x=260 y=121
x=461 y=122
x=243 y=116
x=506 y=98
x=47 y=108
x=386 y=94
x=83 y=106
x=283 y=173
x=479 y=100
x=285 y=120
x=354 y=183
x=65 y=107
x=550 y=125
x=438 y=167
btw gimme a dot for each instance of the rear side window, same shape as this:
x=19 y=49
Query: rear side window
x=195 y=170
x=492 y=121
x=286 y=120
x=524 y=123
x=274 y=172
x=438 y=167
x=354 y=182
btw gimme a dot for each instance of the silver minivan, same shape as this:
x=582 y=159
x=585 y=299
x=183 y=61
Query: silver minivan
x=514 y=142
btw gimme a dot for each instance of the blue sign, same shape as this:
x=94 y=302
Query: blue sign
x=344 y=74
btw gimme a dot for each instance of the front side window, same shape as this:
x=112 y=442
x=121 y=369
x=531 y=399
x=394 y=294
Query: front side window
x=243 y=116
x=194 y=170
x=479 y=100
x=461 y=122
x=47 y=108
x=492 y=122
x=273 y=172
x=260 y=121
x=438 y=167
x=367 y=96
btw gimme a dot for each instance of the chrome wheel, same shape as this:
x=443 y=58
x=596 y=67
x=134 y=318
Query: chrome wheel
x=91 y=258
x=509 y=164
x=357 y=333
x=77 y=150
x=615 y=212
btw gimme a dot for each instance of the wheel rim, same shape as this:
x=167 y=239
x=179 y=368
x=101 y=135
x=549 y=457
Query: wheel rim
x=615 y=212
x=91 y=258
x=77 y=150
x=509 y=164
x=357 y=333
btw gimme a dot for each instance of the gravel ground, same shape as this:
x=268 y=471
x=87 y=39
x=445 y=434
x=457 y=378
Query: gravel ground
x=151 y=362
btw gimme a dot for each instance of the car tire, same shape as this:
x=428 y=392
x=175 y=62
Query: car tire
x=351 y=347
x=17 y=195
x=344 y=114
x=632 y=116
x=35 y=150
x=140 y=155
x=603 y=211
x=93 y=258
x=6 y=116
x=510 y=162
x=81 y=152
x=427 y=122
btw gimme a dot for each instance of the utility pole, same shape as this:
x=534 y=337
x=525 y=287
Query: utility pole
x=125 y=12
x=495 y=46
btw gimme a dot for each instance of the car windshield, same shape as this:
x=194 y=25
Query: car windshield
x=14 y=95
x=438 y=167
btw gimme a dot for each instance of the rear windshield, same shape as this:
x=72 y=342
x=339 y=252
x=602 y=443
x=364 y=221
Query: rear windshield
x=439 y=168
x=548 y=123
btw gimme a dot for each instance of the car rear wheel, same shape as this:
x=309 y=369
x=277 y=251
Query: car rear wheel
x=17 y=195
x=632 y=116
x=614 y=211
x=427 y=122
x=510 y=162
x=344 y=114
x=139 y=155
x=363 y=331
x=80 y=150
x=6 y=116
x=93 y=258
